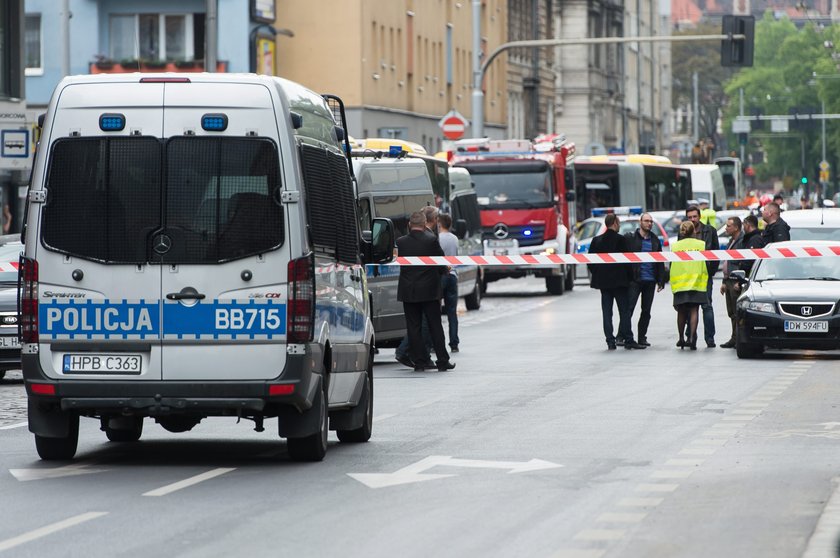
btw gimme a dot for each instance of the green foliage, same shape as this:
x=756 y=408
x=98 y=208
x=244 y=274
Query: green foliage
x=787 y=60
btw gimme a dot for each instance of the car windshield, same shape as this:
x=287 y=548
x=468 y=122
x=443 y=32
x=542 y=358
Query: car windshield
x=672 y=225
x=825 y=268
x=814 y=233
x=515 y=189
x=9 y=253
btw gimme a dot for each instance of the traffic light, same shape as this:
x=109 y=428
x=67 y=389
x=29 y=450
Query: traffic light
x=804 y=180
x=735 y=52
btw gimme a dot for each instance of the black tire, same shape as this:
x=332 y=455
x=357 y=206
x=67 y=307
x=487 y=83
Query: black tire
x=570 y=277
x=363 y=433
x=555 y=284
x=747 y=350
x=484 y=286
x=2 y=374
x=314 y=446
x=59 y=449
x=126 y=435
x=473 y=300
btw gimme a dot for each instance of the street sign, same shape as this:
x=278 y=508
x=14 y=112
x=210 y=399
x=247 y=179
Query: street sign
x=824 y=176
x=740 y=126
x=824 y=166
x=779 y=125
x=453 y=125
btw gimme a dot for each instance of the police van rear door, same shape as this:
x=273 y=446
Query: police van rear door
x=98 y=304
x=222 y=245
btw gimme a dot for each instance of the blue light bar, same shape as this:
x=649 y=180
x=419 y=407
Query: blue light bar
x=112 y=122
x=622 y=210
x=394 y=151
x=214 y=122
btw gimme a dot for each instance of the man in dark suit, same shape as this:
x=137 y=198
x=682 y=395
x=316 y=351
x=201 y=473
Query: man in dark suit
x=613 y=280
x=419 y=289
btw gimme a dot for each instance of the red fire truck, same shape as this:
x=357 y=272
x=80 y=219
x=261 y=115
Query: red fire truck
x=526 y=194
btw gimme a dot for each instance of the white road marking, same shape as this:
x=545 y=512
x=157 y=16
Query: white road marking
x=428 y=402
x=629 y=517
x=16 y=425
x=756 y=404
x=754 y=412
x=49 y=529
x=640 y=502
x=578 y=553
x=671 y=474
x=710 y=442
x=600 y=535
x=386 y=416
x=698 y=451
x=684 y=462
x=719 y=431
x=739 y=418
x=74 y=469
x=656 y=487
x=170 y=488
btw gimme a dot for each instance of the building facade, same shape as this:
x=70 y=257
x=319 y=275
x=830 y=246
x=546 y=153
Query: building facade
x=16 y=141
x=399 y=65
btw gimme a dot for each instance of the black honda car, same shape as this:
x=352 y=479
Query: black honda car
x=10 y=249
x=790 y=303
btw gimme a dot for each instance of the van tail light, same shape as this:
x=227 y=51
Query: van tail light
x=28 y=300
x=300 y=313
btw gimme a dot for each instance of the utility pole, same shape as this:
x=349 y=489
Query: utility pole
x=211 y=35
x=696 y=107
x=65 y=38
x=741 y=112
x=478 y=73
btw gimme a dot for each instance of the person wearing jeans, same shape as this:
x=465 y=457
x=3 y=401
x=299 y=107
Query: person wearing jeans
x=449 y=282
x=648 y=278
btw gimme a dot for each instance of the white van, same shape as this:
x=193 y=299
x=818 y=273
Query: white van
x=192 y=250
x=707 y=182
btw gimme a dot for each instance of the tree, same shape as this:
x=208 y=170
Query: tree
x=702 y=57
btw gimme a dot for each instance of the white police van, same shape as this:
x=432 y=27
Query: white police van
x=192 y=250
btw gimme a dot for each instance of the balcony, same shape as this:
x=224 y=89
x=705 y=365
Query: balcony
x=129 y=66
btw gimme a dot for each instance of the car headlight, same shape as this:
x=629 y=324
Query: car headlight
x=767 y=307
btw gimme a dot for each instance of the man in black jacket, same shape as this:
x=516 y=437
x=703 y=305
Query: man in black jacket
x=419 y=289
x=612 y=280
x=647 y=278
x=708 y=235
x=775 y=229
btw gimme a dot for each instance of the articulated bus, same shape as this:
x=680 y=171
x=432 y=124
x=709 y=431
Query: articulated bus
x=650 y=181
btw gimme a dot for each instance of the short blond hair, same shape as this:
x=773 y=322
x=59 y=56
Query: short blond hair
x=686 y=229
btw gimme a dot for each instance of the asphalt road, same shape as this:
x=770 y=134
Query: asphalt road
x=540 y=443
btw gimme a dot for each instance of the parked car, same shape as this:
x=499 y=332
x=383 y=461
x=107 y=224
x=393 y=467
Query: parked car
x=813 y=224
x=10 y=250
x=789 y=303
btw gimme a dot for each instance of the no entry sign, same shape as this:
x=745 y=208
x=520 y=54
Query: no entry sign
x=453 y=125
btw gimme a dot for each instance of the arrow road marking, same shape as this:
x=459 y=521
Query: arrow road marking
x=11 y=426
x=55 y=472
x=414 y=472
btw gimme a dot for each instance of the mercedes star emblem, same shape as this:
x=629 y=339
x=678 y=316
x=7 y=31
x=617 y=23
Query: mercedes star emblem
x=162 y=244
x=501 y=231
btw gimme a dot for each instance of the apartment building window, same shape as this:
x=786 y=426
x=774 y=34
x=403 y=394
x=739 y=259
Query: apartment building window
x=157 y=36
x=32 y=45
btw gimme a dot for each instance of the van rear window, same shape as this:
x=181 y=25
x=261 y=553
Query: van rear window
x=217 y=199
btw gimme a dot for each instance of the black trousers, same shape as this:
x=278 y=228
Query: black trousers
x=619 y=297
x=414 y=312
x=645 y=289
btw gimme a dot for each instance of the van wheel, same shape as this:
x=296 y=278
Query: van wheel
x=570 y=277
x=473 y=300
x=313 y=447
x=555 y=284
x=59 y=449
x=2 y=374
x=128 y=434
x=362 y=434
x=484 y=286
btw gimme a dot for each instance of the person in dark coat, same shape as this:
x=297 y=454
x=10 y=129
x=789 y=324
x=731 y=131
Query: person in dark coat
x=419 y=289
x=775 y=229
x=612 y=280
x=709 y=236
x=647 y=278
x=730 y=288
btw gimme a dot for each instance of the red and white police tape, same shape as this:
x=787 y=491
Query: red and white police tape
x=9 y=266
x=768 y=253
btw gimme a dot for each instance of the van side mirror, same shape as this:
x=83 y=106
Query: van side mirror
x=378 y=243
x=459 y=228
x=738 y=275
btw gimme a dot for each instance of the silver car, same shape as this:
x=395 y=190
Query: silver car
x=10 y=250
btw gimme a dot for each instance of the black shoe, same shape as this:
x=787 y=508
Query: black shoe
x=711 y=344
x=444 y=366
x=644 y=341
x=728 y=345
x=619 y=342
x=405 y=361
x=453 y=349
x=681 y=344
x=610 y=346
x=633 y=345
x=421 y=366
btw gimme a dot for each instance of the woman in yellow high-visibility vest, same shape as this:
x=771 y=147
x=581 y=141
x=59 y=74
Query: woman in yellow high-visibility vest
x=688 y=283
